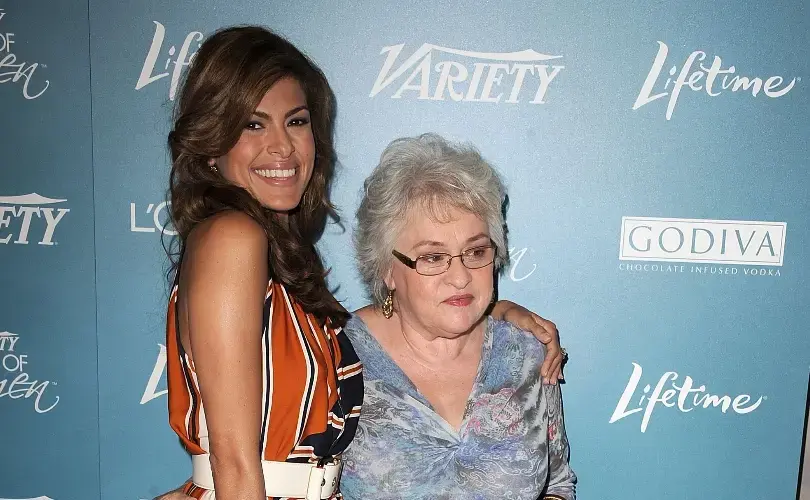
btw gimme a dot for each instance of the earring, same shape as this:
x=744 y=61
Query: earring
x=388 y=305
x=212 y=165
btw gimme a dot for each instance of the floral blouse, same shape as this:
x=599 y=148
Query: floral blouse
x=511 y=443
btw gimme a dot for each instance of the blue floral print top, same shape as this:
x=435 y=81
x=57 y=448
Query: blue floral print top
x=511 y=443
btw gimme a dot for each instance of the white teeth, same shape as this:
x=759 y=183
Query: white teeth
x=276 y=173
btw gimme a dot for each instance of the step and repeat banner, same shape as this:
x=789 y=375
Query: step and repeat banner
x=656 y=157
x=49 y=439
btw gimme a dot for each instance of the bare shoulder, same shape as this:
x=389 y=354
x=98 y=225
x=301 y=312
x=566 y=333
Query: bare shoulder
x=226 y=229
x=225 y=243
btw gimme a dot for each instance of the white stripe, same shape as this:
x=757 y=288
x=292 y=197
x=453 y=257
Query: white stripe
x=314 y=332
x=190 y=396
x=267 y=377
x=343 y=369
x=312 y=370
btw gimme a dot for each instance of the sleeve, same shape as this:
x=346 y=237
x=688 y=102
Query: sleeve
x=562 y=480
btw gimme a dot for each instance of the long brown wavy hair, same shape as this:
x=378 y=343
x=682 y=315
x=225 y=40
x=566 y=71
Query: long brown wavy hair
x=227 y=79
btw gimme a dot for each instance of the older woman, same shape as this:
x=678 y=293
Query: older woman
x=454 y=406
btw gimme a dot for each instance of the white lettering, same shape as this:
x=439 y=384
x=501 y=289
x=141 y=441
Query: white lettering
x=482 y=76
x=21 y=387
x=161 y=219
x=684 y=397
x=25 y=212
x=151 y=392
x=690 y=78
x=702 y=240
x=183 y=59
x=515 y=257
x=13 y=71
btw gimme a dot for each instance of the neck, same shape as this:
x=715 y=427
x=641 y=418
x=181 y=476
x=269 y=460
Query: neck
x=432 y=349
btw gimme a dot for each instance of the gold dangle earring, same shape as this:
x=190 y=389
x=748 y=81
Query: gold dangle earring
x=388 y=305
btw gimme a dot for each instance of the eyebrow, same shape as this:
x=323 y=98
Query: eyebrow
x=432 y=243
x=262 y=114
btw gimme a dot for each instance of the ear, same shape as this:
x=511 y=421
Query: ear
x=212 y=162
x=389 y=278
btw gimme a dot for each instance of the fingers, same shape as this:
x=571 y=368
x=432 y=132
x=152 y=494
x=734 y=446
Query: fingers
x=547 y=325
x=551 y=370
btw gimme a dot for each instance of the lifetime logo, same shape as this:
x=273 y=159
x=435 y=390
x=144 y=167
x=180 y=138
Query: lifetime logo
x=179 y=59
x=17 y=215
x=684 y=397
x=468 y=76
x=698 y=77
x=703 y=240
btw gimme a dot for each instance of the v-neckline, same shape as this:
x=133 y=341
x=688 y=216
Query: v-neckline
x=400 y=380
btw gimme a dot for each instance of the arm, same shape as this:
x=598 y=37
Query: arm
x=225 y=274
x=543 y=329
x=561 y=479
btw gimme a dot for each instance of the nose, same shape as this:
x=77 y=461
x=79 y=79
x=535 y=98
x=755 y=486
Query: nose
x=278 y=141
x=457 y=274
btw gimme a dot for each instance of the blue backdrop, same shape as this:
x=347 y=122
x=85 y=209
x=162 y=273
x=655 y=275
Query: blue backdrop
x=657 y=164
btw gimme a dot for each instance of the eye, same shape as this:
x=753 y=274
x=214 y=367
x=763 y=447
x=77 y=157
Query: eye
x=299 y=121
x=254 y=125
x=433 y=258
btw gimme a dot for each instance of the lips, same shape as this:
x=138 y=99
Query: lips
x=277 y=173
x=459 y=300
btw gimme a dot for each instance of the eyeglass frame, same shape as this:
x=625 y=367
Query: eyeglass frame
x=411 y=263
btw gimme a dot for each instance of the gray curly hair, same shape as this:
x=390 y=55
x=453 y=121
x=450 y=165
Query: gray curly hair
x=432 y=172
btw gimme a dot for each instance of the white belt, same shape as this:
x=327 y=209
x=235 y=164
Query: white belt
x=281 y=479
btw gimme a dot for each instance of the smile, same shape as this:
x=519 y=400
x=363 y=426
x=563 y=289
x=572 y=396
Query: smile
x=277 y=173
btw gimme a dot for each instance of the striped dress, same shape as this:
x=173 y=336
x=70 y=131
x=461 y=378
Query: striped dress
x=311 y=393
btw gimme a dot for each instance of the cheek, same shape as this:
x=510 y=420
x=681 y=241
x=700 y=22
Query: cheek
x=420 y=291
x=306 y=150
x=483 y=284
x=238 y=158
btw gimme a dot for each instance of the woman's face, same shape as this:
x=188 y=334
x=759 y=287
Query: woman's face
x=274 y=158
x=450 y=304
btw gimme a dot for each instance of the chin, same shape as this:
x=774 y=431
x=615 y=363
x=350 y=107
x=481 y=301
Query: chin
x=462 y=325
x=280 y=204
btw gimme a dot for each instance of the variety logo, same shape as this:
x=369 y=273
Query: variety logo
x=17 y=215
x=16 y=384
x=713 y=80
x=699 y=240
x=156 y=216
x=462 y=75
x=179 y=59
x=684 y=397
x=14 y=71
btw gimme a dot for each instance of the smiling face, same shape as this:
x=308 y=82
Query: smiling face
x=450 y=304
x=275 y=155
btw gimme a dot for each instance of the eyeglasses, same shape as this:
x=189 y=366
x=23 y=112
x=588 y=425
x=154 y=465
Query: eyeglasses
x=437 y=263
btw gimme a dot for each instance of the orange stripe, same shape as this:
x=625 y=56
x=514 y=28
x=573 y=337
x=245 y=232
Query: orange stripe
x=289 y=377
x=179 y=398
x=290 y=358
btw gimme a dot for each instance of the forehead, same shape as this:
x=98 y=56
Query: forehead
x=285 y=94
x=442 y=224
